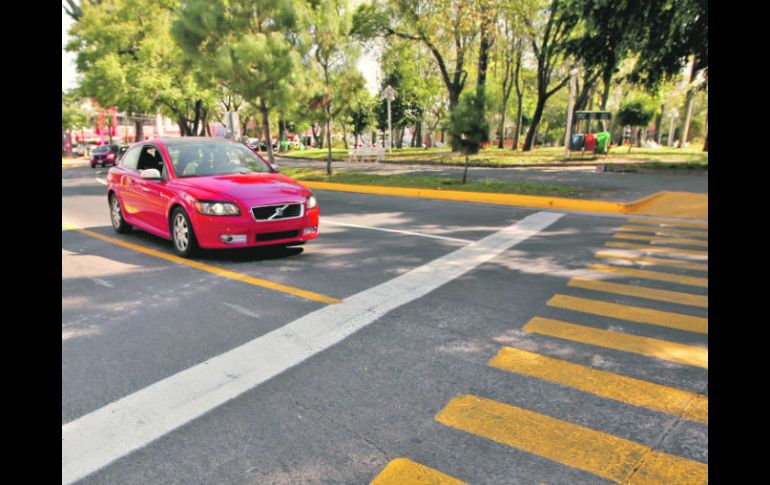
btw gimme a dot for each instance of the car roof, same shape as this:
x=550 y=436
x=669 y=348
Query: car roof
x=191 y=139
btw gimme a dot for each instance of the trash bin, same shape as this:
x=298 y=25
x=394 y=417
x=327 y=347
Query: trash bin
x=590 y=142
x=602 y=141
x=576 y=144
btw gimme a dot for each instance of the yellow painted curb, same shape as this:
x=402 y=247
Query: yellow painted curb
x=663 y=204
x=480 y=197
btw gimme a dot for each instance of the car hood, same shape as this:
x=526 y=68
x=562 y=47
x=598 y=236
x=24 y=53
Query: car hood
x=247 y=188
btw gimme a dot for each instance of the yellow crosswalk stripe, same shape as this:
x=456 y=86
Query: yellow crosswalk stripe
x=656 y=239
x=665 y=231
x=676 y=252
x=605 y=455
x=650 y=347
x=641 y=292
x=403 y=471
x=661 y=222
x=636 y=314
x=605 y=384
x=651 y=275
x=643 y=260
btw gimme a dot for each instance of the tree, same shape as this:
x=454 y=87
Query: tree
x=549 y=45
x=329 y=29
x=248 y=46
x=636 y=112
x=121 y=66
x=611 y=29
x=468 y=126
x=447 y=28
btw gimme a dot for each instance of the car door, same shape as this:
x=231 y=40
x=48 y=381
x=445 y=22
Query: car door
x=152 y=196
x=124 y=180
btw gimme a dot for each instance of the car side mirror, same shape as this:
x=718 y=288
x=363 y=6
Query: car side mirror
x=274 y=166
x=151 y=174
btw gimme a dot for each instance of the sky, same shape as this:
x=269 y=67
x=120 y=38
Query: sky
x=367 y=64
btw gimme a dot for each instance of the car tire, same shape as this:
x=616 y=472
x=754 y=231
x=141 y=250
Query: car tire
x=182 y=234
x=116 y=216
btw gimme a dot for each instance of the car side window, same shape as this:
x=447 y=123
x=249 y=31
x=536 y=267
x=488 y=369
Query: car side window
x=131 y=158
x=150 y=157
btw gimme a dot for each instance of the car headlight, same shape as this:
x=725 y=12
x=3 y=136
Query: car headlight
x=213 y=208
x=312 y=202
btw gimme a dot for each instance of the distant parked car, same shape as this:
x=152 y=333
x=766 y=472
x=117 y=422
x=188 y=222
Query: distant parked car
x=104 y=155
x=78 y=150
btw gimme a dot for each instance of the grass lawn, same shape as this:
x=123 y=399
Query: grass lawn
x=439 y=183
x=691 y=157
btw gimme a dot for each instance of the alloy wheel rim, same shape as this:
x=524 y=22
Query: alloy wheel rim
x=116 y=218
x=181 y=232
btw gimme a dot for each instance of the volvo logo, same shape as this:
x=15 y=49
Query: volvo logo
x=279 y=211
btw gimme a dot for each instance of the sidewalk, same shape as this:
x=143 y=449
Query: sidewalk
x=657 y=194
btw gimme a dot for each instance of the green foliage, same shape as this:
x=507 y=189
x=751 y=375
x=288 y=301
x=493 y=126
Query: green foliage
x=73 y=116
x=637 y=111
x=468 y=126
x=245 y=45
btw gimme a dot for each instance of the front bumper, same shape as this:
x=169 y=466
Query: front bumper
x=217 y=232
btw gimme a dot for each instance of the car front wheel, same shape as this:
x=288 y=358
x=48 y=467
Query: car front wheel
x=116 y=215
x=182 y=234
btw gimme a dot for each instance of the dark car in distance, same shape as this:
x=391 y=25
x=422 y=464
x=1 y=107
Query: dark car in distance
x=105 y=155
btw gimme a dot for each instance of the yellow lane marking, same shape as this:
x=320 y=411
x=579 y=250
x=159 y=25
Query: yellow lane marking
x=650 y=347
x=605 y=384
x=688 y=253
x=667 y=240
x=651 y=275
x=636 y=314
x=209 y=269
x=407 y=472
x=602 y=454
x=665 y=232
x=641 y=292
x=661 y=222
x=643 y=260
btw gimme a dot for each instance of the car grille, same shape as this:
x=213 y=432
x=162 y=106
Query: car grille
x=277 y=212
x=273 y=236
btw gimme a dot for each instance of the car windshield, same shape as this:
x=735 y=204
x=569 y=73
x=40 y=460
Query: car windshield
x=101 y=148
x=207 y=158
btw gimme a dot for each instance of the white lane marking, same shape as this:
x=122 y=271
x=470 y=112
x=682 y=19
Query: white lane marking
x=111 y=432
x=103 y=182
x=102 y=282
x=241 y=310
x=408 y=233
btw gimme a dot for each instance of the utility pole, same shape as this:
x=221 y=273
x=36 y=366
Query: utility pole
x=389 y=94
x=570 y=107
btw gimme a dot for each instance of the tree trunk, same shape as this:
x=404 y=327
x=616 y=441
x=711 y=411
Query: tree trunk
x=530 y=139
x=138 y=129
x=344 y=136
x=197 y=118
x=519 y=100
x=328 y=140
x=606 y=85
x=658 y=124
x=689 y=101
x=465 y=172
x=322 y=140
x=706 y=141
x=266 y=122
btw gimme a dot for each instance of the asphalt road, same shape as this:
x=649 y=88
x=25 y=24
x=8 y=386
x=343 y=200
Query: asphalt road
x=415 y=380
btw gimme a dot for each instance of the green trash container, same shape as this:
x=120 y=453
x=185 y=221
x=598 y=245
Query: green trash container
x=602 y=141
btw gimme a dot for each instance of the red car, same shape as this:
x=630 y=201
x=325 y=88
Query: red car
x=208 y=193
x=104 y=155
